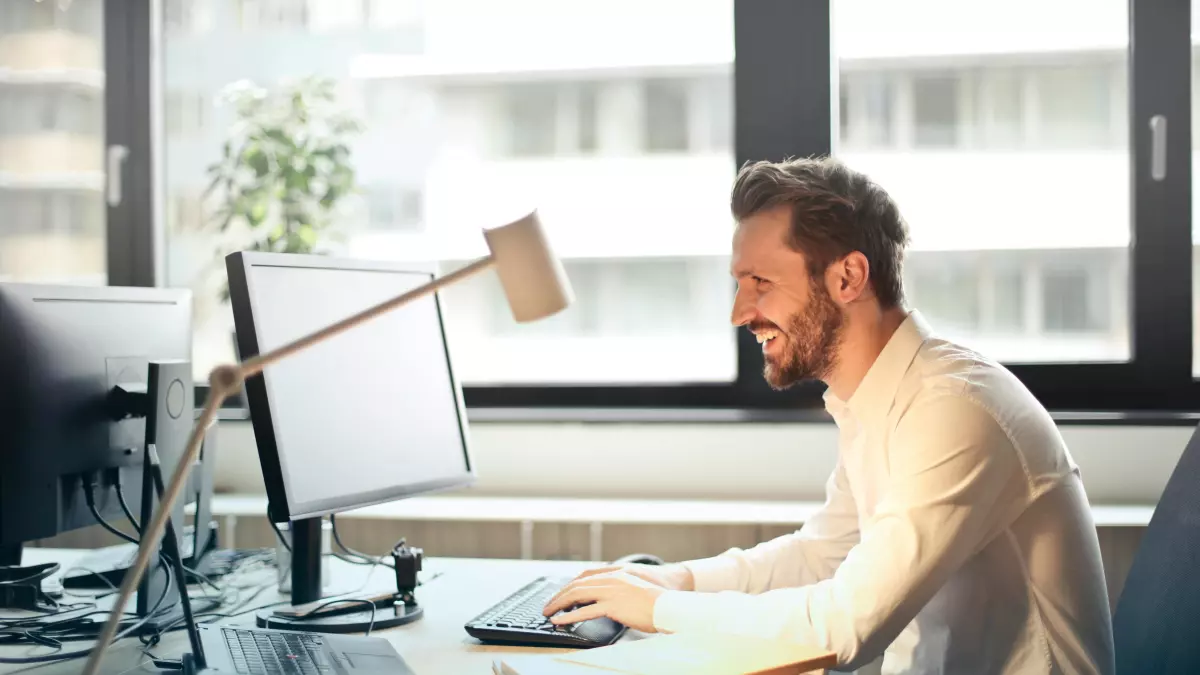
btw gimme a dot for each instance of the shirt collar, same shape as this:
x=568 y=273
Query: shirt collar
x=874 y=396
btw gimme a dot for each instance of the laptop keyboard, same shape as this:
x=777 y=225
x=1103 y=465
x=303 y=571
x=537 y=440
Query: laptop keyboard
x=257 y=652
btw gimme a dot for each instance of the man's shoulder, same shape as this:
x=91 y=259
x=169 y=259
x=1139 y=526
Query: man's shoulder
x=942 y=368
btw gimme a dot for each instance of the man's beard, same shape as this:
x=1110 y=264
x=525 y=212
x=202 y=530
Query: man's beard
x=813 y=337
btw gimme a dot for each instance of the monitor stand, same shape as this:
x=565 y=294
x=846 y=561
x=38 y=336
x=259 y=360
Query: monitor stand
x=391 y=609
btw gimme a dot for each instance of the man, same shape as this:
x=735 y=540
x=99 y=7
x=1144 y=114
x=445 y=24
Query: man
x=955 y=537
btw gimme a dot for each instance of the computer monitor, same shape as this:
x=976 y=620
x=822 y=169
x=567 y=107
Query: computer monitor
x=62 y=351
x=370 y=416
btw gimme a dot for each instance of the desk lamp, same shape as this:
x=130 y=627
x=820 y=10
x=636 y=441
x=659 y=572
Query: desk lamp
x=534 y=285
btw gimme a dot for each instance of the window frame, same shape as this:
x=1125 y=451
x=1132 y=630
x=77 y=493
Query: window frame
x=768 y=33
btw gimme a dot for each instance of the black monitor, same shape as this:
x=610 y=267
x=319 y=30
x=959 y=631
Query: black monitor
x=372 y=415
x=62 y=351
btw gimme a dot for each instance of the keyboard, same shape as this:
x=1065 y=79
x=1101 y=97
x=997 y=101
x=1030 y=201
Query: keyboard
x=518 y=620
x=256 y=652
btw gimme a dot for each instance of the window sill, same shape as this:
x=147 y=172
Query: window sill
x=1165 y=418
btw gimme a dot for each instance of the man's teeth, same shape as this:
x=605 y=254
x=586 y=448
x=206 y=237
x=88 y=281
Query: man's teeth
x=766 y=335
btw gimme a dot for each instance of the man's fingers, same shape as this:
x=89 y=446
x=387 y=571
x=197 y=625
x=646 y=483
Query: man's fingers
x=643 y=574
x=575 y=596
x=578 y=583
x=582 y=614
x=598 y=570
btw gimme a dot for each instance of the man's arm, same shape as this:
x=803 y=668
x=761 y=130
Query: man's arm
x=955 y=483
x=804 y=557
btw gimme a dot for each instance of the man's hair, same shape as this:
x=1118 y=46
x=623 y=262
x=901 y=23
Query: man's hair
x=835 y=211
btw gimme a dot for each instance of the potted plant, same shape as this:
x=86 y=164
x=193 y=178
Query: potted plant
x=284 y=173
x=285 y=168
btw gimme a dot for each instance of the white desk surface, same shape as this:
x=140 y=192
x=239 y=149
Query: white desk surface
x=434 y=645
x=611 y=511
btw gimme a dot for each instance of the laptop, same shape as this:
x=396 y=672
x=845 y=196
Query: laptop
x=269 y=651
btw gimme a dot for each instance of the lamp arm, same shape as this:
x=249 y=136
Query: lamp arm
x=225 y=381
x=152 y=534
x=255 y=365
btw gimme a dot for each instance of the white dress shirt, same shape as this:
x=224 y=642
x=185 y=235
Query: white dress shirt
x=955 y=536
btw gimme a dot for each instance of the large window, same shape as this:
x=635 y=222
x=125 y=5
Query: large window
x=52 y=211
x=1032 y=146
x=624 y=145
x=1008 y=158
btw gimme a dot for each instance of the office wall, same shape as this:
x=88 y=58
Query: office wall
x=1119 y=464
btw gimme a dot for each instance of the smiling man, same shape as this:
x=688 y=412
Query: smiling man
x=955 y=536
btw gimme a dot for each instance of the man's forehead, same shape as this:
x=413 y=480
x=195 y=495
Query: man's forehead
x=760 y=244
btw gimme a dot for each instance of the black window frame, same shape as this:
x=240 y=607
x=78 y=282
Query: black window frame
x=785 y=90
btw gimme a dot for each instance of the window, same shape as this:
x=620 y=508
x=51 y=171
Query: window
x=51 y=143
x=1069 y=305
x=383 y=15
x=532 y=117
x=935 y=110
x=273 y=14
x=186 y=113
x=1076 y=105
x=394 y=208
x=1008 y=301
x=948 y=294
x=1006 y=163
x=588 y=106
x=186 y=17
x=868 y=102
x=1000 y=107
x=628 y=162
x=666 y=127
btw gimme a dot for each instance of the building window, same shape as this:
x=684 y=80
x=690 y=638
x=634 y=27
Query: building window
x=999 y=105
x=274 y=15
x=31 y=109
x=1008 y=301
x=1068 y=305
x=948 y=295
x=935 y=110
x=1075 y=106
x=588 y=106
x=666 y=116
x=187 y=17
x=394 y=208
x=532 y=118
x=186 y=113
x=390 y=14
x=868 y=101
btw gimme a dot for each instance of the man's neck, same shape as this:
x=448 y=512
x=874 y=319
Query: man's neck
x=865 y=335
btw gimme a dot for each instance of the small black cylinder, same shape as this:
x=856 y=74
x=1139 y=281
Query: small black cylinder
x=306 y=560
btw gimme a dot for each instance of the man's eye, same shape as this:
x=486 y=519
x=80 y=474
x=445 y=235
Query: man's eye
x=760 y=280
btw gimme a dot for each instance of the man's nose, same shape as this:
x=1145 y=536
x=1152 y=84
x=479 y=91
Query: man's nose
x=743 y=310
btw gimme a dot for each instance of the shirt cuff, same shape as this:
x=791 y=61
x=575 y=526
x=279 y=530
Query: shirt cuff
x=685 y=611
x=719 y=573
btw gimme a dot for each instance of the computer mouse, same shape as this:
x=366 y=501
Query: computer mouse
x=639 y=559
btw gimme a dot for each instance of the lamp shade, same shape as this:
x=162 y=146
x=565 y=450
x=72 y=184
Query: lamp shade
x=532 y=276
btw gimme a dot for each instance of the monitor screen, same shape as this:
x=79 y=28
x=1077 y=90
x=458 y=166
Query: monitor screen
x=368 y=416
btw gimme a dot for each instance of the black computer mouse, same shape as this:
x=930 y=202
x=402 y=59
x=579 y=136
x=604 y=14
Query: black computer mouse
x=639 y=558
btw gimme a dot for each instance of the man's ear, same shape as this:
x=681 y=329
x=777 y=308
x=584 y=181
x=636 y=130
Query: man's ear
x=848 y=278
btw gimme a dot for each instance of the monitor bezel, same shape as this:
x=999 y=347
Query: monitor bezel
x=282 y=507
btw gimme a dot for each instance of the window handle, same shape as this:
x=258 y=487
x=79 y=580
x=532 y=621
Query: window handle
x=115 y=165
x=1158 y=148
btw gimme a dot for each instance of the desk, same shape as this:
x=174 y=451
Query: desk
x=434 y=645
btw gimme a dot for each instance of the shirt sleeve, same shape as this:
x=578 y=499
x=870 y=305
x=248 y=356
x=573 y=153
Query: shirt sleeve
x=804 y=557
x=955 y=482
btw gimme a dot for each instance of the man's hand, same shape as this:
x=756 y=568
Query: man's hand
x=621 y=596
x=675 y=577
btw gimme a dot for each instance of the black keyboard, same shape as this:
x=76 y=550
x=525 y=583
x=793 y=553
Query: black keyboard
x=518 y=619
x=270 y=653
